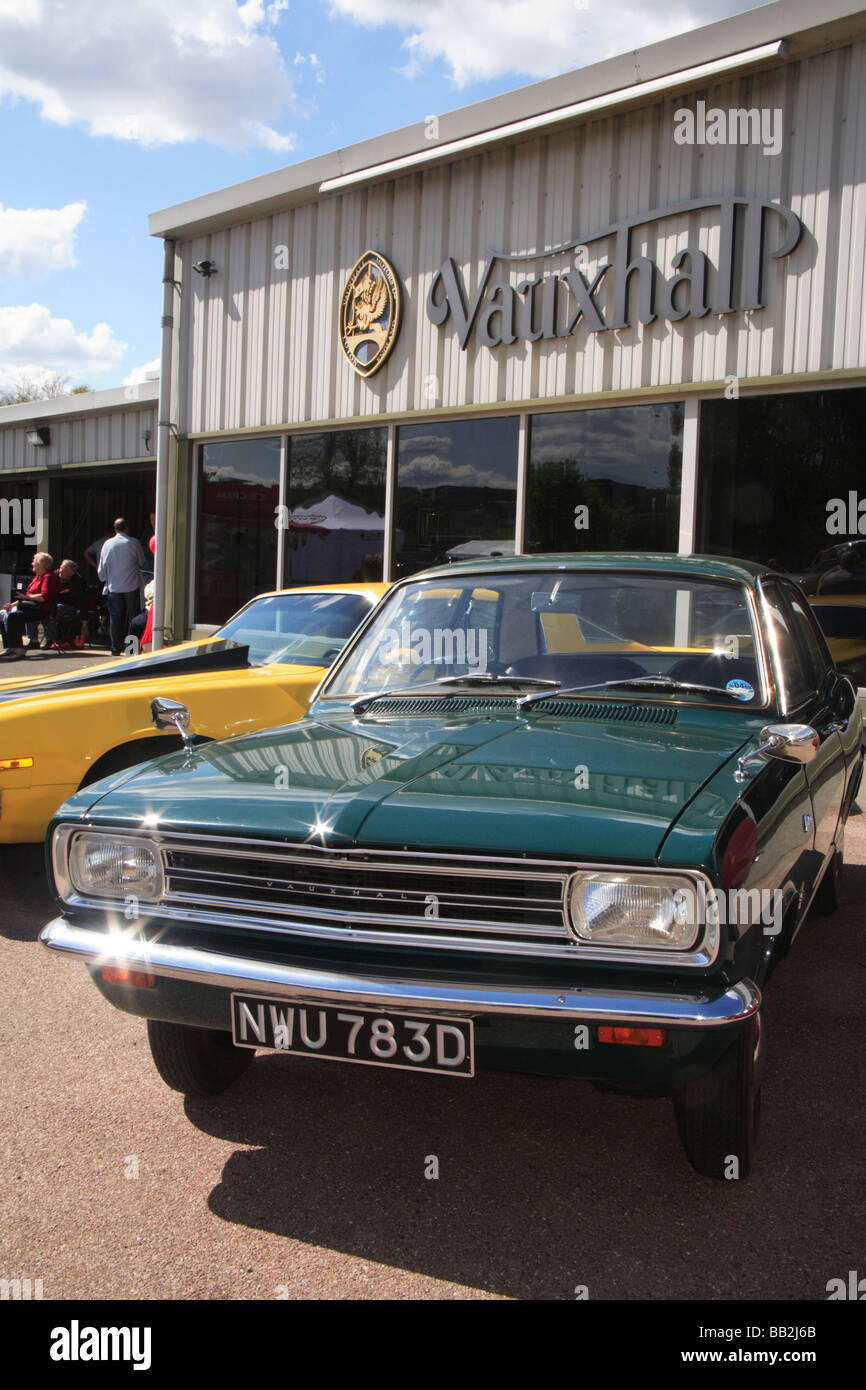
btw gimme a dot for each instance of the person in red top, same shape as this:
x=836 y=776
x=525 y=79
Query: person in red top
x=147 y=637
x=142 y=624
x=38 y=602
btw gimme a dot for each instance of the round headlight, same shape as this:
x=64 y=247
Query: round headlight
x=638 y=910
x=113 y=866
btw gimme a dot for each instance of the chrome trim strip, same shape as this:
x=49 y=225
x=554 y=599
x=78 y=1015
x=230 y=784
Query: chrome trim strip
x=565 y=949
x=228 y=875
x=349 y=855
x=363 y=918
x=700 y=1010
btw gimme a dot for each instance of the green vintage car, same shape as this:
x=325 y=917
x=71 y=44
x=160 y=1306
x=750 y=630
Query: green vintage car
x=561 y=814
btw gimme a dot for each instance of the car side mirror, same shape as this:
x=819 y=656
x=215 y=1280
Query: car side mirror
x=791 y=743
x=171 y=714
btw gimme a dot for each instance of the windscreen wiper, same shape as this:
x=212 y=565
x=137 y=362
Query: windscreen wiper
x=634 y=683
x=481 y=678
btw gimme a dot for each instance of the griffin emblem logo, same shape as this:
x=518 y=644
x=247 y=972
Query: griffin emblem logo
x=370 y=757
x=370 y=313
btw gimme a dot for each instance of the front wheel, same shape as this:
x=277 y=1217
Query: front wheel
x=195 y=1061
x=718 y=1112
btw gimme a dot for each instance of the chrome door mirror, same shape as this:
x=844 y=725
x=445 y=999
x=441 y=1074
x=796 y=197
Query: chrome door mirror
x=791 y=743
x=171 y=714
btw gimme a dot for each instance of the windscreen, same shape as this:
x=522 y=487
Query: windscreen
x=304 y=629
x=572 y=628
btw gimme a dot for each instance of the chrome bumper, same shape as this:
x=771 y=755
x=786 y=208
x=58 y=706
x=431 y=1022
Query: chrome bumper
x=696 y=1009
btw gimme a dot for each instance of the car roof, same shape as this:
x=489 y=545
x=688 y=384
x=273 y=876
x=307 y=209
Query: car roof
x=718 y=566
x=375 y=589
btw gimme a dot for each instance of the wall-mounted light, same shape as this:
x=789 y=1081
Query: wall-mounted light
x=41 y=437
x=147 y=436
x=205 y=268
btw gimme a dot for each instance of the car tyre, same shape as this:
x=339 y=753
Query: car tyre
x=826 y=900
x=196 y=1061
x=718 y=1112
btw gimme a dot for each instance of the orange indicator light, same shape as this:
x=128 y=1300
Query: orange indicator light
x=634 y=1037
x=117 y=975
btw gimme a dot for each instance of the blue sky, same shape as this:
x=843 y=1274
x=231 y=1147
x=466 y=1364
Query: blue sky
x=111 y=111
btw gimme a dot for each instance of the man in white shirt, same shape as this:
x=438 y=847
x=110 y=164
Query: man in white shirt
x=120 y=565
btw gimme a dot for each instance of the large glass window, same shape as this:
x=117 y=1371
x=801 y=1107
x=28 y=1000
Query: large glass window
x=237 y=537
x=778 y=484
x=335 y=500
x=605 y=479
x=456 y=492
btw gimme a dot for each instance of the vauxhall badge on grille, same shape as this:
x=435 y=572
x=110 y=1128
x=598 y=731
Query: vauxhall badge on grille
x=370 y=313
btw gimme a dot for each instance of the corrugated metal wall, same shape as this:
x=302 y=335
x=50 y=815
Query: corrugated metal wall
x=259 y=345
x=110 y=435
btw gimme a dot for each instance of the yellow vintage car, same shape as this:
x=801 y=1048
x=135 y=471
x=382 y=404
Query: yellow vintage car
x=59 y=733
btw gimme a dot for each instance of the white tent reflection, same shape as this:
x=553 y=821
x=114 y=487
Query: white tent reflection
x=334 y=537
x=479 y=550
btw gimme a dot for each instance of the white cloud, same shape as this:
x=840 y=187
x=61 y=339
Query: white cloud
x=139 y=374
x=154 y=72
x=487 y=38
x=315 y=62
x=34 y=343
x=34 y=241
x=270 y=139
x=431 y=470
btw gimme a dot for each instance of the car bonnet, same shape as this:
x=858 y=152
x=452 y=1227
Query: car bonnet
x=598 y=788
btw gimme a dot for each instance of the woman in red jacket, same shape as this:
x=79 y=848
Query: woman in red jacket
x=37 y=603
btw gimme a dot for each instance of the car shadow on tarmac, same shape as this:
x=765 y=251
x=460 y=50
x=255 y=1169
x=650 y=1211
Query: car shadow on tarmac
x=545 y=1186
x=26 y=903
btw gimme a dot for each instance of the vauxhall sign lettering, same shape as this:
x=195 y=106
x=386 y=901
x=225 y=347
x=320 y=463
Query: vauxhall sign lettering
x=554 y=304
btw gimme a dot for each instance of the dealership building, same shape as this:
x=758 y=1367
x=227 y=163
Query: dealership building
x=623 y=308
x=68 y=467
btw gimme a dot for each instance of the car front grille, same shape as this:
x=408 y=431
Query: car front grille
x=468 y=901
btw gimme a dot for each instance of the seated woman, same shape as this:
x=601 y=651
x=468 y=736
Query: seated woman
x=36 y=604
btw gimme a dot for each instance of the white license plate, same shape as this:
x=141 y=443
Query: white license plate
x=412 y=1042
